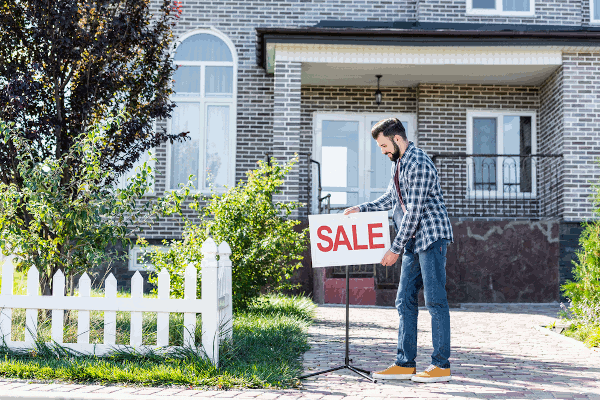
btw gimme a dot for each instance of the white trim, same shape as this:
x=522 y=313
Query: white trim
x=364 y=148
x=480 y=194
x=498 y=11
x=592 y=9
x=416 y=55
x=204 y=101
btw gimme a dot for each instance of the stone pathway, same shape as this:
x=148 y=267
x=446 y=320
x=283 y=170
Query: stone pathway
x=496 y=354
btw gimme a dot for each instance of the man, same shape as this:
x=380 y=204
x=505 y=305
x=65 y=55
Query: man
x=423 y=227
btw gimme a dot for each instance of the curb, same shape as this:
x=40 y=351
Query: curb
x=564 y=338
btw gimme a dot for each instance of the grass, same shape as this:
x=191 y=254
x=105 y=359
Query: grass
x=588 y=334
x=269 y=338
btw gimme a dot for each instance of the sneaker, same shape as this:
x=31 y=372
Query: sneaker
x=395 y=372
x=433 y=374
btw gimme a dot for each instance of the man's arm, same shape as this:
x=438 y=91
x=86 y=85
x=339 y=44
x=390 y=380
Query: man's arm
x=420 y=180
x=383 y=203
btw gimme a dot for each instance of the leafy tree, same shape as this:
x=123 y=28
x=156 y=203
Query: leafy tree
x=266 y=248
x=68 y=233
x=66 y=66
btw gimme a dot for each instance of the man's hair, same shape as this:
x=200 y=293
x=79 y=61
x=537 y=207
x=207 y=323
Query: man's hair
x=389 y=128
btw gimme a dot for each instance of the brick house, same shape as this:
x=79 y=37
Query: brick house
x=500 y=93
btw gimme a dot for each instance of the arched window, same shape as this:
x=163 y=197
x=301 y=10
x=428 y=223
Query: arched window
x=205 y=95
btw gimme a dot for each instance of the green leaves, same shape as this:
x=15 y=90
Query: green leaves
x=266 y=248
x=584 y=290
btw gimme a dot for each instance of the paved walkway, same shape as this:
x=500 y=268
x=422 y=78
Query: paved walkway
x=496 y=354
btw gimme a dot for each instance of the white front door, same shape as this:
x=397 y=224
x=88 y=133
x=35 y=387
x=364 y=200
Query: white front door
x=353 y=169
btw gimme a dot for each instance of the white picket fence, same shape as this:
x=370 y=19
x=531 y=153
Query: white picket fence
x=215 y=306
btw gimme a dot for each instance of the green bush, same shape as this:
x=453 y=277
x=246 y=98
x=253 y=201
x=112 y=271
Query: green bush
x=584 y=290
x=266 y=248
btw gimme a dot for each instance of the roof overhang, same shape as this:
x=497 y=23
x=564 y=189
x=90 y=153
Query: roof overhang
x=342 y=55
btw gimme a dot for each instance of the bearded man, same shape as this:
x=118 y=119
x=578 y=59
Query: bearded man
x=423 y=231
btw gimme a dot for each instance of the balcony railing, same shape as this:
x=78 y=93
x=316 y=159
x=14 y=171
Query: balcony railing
x=501 y=185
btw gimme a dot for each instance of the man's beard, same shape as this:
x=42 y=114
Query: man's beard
x=396 y=153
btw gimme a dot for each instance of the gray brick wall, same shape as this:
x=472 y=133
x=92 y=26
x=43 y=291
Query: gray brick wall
x=550 y=141
x=547 y=12
x=286 y=126
x=581 y=132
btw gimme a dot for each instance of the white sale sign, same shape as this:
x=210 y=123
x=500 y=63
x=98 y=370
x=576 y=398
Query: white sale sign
x=359 y=238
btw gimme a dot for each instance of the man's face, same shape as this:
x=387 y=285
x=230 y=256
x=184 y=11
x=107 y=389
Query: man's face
x=388 y=147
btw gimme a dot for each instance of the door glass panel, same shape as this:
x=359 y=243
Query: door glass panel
x=484 y=4
x=340 y=160
x=217 y=145
x=515 y=5
x=484 y=142
x=517 y=140
x=184 y=155
x=596 y=9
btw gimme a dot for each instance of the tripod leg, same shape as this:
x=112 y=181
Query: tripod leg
x=356 y=371
x=323 y=372
x=361 y=370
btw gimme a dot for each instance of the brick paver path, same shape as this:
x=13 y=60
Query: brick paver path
x=496 y=354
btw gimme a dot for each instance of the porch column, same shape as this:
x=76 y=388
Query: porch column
x=286 y=125
x=581 y=133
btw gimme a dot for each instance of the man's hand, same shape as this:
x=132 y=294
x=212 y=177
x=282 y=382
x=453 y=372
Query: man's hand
x=351 y=210
x=389 y=259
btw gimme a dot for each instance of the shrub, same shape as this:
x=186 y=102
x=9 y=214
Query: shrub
x=584 y=290
x=266 y=248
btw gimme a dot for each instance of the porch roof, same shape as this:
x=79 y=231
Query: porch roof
x=351 y=53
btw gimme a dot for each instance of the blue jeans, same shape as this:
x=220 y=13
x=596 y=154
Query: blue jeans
x=424 y=269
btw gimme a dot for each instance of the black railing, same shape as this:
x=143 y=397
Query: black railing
x=526 y=186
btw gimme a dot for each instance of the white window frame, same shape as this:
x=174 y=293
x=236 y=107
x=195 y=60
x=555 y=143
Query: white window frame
x=592 y=9
x=133 y=256
x=364 y=145
x=499 y=11
x=499 y=192
x=204 y=104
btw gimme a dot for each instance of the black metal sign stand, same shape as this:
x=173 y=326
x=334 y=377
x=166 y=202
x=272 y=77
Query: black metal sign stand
x=347 y=360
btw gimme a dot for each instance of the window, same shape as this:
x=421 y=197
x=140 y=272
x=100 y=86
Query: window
x=139 y=260
x=595 y=11
x=205 y=96
x=503 y=140
x=523 y=8
x=353 y=169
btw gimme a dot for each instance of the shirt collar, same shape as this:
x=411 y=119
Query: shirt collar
x=406 y=154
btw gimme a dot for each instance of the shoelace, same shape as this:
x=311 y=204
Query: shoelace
x=431 y=368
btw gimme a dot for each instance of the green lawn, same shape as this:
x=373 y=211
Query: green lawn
x=269 y=339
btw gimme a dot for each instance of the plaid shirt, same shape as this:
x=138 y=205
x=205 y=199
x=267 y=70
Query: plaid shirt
x=426 y=217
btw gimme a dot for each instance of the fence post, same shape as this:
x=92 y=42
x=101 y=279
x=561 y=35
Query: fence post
x=137 y=292
x=225 y=288
x=83 y=318
x=189 y=319
x=31 y=314
x=210 y=314
x=110 y=317
x=8 y=270
x=58 y=290
x=162 y=319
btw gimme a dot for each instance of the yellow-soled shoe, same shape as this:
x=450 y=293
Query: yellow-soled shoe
x=395 y=372
x=433 y=374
